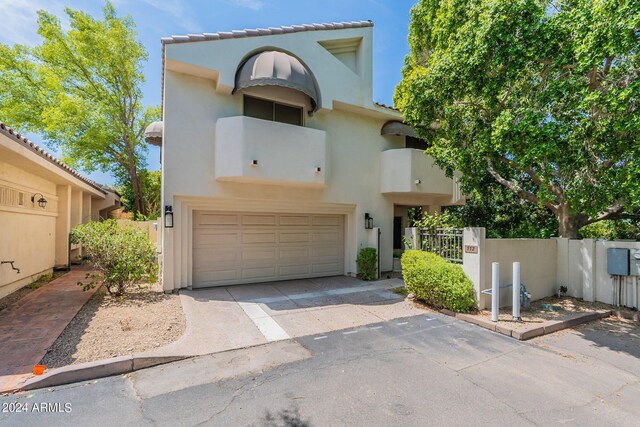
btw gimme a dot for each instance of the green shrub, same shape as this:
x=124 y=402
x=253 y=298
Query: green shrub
x=437 y=282
x=122 y=255
x=367 y=261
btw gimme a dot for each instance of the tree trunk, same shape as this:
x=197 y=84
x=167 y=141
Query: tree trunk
x=568 y=224
x=137 y=190
x=133 y=177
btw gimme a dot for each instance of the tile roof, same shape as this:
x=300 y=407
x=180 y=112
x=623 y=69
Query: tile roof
x=237 y=34
x=13 y=135
x=386 y=106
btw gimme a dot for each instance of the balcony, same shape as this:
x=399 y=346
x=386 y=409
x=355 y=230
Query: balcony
x=409 y=176
x=264 y=152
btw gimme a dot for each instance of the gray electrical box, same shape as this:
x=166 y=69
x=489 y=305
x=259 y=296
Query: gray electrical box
x=634 y=262
x=618 y=261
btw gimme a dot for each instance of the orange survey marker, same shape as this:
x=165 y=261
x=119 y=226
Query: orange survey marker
x=38 y=369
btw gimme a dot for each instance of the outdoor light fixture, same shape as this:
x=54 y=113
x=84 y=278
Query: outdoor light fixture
x=417 y=182
x=254 y=162
x=42 y=202
x=318 y=170
x=368 y=221
x=168 y=217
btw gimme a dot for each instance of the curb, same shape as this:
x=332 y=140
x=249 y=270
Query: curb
x=94 y=370
x=544 y=328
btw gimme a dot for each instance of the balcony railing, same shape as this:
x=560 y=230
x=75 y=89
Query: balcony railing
x=409 y=172
x=260 y=151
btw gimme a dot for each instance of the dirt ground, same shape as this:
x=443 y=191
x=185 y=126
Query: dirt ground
x=550 y=308
x=107 y=326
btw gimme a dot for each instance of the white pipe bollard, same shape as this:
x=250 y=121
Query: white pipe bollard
x=495 y=291
x=516 y=291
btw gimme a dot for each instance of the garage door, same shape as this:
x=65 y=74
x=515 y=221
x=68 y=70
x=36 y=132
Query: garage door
x=234 y=248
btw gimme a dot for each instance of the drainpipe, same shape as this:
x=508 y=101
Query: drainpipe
x=379 y=272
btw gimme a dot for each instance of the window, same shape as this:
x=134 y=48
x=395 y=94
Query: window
x=269 y=110
x=417 y=143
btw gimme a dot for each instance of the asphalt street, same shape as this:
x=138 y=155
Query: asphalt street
x=421 y=370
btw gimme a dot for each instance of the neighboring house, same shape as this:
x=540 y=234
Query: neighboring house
x=274 y=153
x=41 y=199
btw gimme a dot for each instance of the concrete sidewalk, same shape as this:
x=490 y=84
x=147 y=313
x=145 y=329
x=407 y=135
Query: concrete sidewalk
x=31 y=325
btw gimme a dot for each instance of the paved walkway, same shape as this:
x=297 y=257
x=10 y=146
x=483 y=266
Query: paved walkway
x=31 y=325
x=227 y=318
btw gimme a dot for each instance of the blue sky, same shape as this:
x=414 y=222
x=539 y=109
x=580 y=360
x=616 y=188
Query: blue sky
x=159 y=18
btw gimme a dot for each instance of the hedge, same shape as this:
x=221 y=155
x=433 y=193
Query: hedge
x=437 y=282
x=367 y=262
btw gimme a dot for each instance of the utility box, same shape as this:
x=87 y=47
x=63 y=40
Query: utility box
x=618 y=261
x=634 y=262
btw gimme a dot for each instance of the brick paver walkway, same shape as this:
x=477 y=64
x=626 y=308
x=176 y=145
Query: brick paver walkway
x=31 y=325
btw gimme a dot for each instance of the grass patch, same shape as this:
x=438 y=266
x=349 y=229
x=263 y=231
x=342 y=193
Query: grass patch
x=42 y=280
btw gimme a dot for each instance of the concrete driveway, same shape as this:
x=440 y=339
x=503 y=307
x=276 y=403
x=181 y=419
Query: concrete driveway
x=240 y=316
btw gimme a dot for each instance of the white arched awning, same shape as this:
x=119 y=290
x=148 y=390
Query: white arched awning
x=153 y=134
x=397 y=128
x=273 y=68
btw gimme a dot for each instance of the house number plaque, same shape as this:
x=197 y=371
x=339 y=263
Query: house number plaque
x=470 y=249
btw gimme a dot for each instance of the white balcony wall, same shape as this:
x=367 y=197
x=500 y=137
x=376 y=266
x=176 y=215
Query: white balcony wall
x=285 y=154
x=409 y=170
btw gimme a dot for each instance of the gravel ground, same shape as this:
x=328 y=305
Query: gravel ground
x=107 y=326
x=537 y=314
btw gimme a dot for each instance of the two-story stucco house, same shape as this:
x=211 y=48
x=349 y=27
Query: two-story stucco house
x=274 y=155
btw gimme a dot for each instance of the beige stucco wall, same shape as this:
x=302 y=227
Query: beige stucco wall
x=27 y=232
x=538 y=263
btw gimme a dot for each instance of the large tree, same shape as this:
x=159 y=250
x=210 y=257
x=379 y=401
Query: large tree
x=542 y=95
x=80 y=89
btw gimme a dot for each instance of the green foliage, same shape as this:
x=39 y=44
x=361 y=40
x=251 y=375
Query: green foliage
x=612 y=230
x=438 y=283
x=122 y=255
x=438 y=220
x=367 y=262
x=504 y=214
x=81 y=90
x=42 y=280
x=541 y=95
x=151 y=191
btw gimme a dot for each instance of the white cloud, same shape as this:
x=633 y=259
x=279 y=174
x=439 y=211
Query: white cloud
x=249 y=4
x=19 y=19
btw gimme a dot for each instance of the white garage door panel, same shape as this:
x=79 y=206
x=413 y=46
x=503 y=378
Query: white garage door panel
x=248 y=248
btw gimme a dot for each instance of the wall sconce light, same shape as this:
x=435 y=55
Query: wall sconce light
x=318 y=170
x=42 y=202
x=254 y=162
x=368 y=221
x=168 y=217
x=417 y=182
